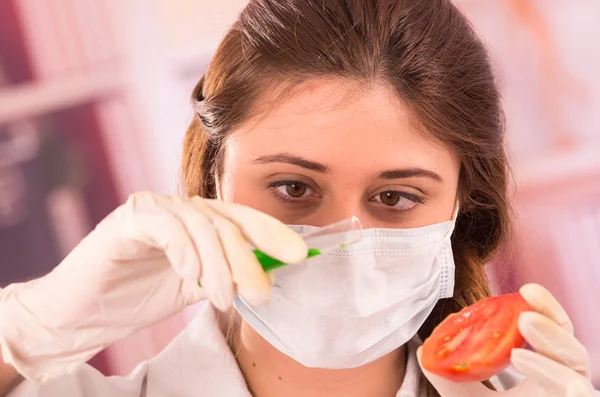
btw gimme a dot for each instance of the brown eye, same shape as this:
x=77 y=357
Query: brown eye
x=295 y=190
x=397 y=199
x=390 y=198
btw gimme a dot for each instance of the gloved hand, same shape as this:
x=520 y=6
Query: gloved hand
x=559 y=368
x=139 y=266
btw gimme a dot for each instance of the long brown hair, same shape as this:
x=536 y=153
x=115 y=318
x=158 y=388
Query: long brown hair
x=426 y=50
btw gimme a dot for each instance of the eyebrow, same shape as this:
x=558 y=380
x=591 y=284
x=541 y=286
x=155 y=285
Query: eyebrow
x=294 y=160
x=410 y=173
x=318 y=167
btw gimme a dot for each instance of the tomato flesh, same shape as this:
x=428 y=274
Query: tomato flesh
x=475 y=343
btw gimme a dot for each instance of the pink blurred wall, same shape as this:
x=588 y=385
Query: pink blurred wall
x=547 y=58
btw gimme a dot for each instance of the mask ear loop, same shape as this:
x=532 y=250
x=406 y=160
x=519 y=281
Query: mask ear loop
x=218 y=187
x=452 y=222
x=446 y=292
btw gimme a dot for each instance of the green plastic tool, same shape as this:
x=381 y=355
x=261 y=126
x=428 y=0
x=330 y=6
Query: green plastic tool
x=269 y=263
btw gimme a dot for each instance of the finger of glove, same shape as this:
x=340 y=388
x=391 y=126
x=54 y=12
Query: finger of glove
x=191 y=293
x=448 y=388
x=265 y=232
x=250 y=279
x=580 y=389
x=215 y=274
x=543 y=302
x=548 y=374
x=551 y=340
x=162 y=229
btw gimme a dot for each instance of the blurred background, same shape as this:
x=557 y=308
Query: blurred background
x=94 y=103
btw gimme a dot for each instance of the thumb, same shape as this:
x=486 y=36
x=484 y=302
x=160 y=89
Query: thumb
x=449 y=388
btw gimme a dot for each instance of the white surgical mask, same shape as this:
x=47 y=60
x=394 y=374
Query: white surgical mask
x=353 y=305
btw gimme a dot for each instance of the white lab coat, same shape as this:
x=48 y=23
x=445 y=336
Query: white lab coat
x=198 y=362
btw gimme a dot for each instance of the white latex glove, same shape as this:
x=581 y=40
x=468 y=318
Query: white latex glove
x=139 y=266
x=559 y=368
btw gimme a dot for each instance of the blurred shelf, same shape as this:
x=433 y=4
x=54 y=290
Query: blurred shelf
x=558 y=167
x=33 y=99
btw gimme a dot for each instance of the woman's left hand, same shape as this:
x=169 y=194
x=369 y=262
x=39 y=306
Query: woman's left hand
x=560 y=366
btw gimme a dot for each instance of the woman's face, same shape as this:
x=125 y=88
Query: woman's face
x=329 y=152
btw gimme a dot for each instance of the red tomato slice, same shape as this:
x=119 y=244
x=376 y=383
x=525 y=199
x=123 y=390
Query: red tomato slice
x=475 y=343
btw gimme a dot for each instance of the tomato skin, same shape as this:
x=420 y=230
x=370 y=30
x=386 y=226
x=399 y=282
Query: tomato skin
x=475 y=344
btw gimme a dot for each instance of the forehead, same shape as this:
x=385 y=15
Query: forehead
x=343 y=126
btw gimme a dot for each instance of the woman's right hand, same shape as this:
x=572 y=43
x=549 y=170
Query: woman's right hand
x=139 y=266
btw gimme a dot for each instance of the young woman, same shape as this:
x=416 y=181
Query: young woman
x=310 y=112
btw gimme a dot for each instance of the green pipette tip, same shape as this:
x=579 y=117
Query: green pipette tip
x=269 y=263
